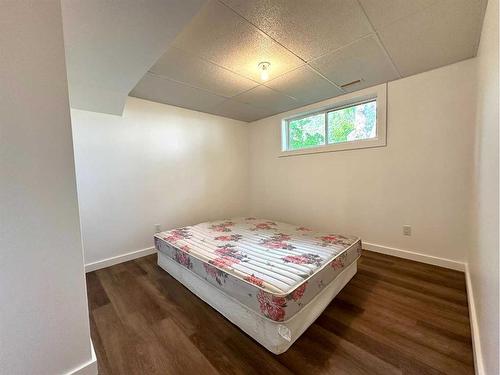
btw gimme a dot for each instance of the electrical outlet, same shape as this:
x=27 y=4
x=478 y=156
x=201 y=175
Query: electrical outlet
x=157 y=228
x=407 y=230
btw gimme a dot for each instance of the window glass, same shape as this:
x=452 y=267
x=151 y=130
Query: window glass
x=352 y=123
x=306 y=132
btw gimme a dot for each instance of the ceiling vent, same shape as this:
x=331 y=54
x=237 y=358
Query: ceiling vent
x=351 y=83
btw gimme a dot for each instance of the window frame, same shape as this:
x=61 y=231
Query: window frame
x=376 y=93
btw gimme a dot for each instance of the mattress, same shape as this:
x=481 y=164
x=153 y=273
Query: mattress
x=273 y=269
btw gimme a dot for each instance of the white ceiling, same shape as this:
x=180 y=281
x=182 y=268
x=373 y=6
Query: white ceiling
x=314 y=48
x=110 y=45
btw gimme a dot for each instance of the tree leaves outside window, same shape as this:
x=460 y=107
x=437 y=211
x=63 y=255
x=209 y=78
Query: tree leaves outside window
x=347 y=124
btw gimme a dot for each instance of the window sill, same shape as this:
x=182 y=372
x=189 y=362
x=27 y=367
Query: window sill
x=355 y=145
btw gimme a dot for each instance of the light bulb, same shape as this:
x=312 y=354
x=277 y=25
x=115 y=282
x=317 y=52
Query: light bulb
x=264 y=75
x=264 y=70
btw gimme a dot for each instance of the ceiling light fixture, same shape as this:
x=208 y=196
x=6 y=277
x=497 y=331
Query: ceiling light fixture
x=264 y=70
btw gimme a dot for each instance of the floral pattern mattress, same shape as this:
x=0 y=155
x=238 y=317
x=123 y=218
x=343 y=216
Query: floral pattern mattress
x=273 y=268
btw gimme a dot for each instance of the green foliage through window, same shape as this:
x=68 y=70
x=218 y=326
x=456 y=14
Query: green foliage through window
x=347 y=124
x=352 y=123
x=307 y=132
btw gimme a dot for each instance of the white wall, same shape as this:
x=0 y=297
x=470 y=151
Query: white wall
x=44 y=327
x=421 y=178
x=157 y=164
x=483 y=256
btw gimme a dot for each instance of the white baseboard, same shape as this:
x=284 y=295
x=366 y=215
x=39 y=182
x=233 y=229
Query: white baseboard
x=447 y=263
x=411 y=255
x=88 y=368
x=119 y=259
x=400 y=253
x=474 y=327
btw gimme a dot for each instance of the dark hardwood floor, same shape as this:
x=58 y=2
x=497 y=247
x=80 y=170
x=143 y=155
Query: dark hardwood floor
x=394 y=317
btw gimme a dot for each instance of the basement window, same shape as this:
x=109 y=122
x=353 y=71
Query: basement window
x=353 y=121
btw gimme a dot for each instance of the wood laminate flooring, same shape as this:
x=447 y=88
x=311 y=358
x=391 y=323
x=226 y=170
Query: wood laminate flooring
x=394 y=317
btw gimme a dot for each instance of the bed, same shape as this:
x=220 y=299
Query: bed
x=271 y=279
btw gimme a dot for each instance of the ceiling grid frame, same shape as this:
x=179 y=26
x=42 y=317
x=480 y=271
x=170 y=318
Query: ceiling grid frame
x=379 y=39
x=276 y=41
x=383 y=58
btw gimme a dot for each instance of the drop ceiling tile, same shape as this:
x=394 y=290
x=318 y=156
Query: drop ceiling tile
x=305 y=85
x=163 y=90
x=364 y=60
x=218 y=34
x=308 y=28
x=442 y=34
x=384 y=12
x=264 y=97
x=240 y=111
x=183 y=67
